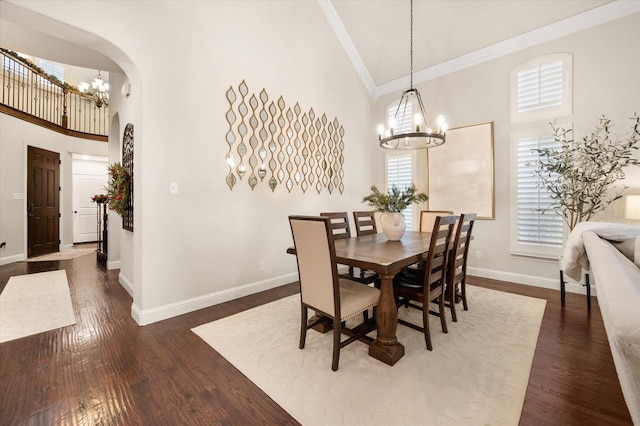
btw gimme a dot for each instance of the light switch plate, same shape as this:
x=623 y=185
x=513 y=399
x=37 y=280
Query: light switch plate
x=173 y=188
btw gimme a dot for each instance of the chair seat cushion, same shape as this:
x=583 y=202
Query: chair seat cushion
x=355 y=298
x=412 y=279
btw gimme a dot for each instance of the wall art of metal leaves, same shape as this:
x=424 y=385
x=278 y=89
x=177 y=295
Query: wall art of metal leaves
x=281 y=145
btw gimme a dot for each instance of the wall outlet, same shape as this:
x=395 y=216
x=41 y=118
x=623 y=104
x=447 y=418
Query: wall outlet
x=173 y=188
x=261 y=266
x=478 y=255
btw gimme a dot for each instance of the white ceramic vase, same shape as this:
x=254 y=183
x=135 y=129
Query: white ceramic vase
x=393 y=225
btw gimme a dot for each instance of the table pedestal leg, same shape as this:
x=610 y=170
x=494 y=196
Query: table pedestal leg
x=386 y=348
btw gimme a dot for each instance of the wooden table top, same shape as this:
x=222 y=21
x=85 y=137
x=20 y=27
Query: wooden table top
x=376 y=253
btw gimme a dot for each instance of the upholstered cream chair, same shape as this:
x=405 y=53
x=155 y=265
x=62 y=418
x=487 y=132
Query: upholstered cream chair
x=340 y=229
x=320 y=287
x=457 y=263
x=426 y=285
x=428 y=218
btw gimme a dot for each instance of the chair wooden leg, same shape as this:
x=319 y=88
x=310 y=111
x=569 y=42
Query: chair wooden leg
x=443 y=318
x=337 y=332
x=463 y=293
x=425 y=325
x=452 y=301
x=303 y=327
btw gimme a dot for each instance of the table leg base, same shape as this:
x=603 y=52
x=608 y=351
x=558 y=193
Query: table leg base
x=323 y=327
x=389 y=354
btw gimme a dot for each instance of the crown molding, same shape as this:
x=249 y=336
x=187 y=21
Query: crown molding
x=347 y=45
x=600 y=15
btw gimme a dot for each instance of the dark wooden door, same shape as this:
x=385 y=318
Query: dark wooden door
x=43 y=201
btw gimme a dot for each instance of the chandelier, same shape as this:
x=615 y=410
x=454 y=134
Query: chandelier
x=99 y=92
x=409 y=130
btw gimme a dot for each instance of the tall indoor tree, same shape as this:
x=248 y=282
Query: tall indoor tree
x=580 y=176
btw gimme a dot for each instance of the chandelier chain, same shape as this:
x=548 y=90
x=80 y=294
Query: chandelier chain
x=411 y=44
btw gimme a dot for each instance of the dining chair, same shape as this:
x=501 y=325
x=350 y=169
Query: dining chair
x=339 y=223
x=428 y=218
x=457 y=263
x=322 y=290
x=365 y=222
x=426 y=285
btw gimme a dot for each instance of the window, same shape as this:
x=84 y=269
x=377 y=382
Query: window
x=52 y=69
x=540 y=92
x=541 y=89
x=399 y=172
x=404 y=121
x=536 y=233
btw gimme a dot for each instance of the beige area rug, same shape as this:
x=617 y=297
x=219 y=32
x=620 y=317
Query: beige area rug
x=35 y=303
x=62 y=255
x=476 y=375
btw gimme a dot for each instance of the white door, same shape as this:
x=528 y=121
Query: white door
x=86 y=184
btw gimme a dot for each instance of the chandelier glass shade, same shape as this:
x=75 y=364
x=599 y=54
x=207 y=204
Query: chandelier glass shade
x=410 y=127
x=97 y=91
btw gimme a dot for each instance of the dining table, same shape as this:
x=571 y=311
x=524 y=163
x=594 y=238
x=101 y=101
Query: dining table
x=377 y=253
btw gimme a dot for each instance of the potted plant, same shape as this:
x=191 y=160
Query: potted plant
x=579 y=176
x=391 y=206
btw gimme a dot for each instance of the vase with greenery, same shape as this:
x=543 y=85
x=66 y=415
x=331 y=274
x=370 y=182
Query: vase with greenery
x=580 y=175
x=119 y=188
x=391 y=206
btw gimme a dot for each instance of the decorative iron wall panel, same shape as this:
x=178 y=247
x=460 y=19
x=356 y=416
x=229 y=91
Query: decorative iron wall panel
x=283 y=145
x=127 y=161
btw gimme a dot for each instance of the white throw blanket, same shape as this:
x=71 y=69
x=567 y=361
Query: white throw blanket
x=575 y=257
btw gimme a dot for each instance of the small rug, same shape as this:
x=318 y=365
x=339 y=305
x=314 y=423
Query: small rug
x=35 y=303
x=62 y=255
x=476 y=374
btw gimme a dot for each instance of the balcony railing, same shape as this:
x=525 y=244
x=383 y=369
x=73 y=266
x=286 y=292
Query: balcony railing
x=32 y=95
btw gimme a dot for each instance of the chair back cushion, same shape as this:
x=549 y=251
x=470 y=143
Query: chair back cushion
x=317 y=269
x=428 y=218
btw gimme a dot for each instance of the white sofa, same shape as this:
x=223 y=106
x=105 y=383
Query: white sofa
x=617 y=283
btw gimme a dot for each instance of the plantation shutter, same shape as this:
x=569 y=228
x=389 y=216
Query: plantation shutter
x=534 y=227
x=540 y=86
x=400 y=174
x=403 y=122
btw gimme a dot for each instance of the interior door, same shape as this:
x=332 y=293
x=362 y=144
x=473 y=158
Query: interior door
x=43 y=201
x=85 y=214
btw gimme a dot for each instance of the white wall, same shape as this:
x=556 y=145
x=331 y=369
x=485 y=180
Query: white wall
x=605 y=63
x=204 y=245
x=15 y=136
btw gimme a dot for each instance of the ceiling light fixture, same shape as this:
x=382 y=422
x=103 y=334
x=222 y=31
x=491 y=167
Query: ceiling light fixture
x=100 y=92
x=408 y=130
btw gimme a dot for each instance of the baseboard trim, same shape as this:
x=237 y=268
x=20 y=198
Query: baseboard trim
x=126 y=284
x=550 y=283
x=149 y=316
x=113 y=264
x=11 y=259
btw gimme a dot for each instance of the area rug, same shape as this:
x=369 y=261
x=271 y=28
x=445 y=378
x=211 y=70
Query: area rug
x=62 y=255
x=477 y=374
x=34 y=303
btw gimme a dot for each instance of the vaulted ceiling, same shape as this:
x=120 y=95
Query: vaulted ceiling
x=375 y=33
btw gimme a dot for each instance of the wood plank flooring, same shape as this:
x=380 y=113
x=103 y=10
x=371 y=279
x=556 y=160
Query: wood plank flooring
x=105 y=370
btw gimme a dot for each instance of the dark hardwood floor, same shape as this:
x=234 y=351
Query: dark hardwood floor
x=105 y=370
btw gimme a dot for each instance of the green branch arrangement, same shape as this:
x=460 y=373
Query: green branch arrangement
x=119 y=188
x=580 y=175
x=396 y=200
x=39 y=70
